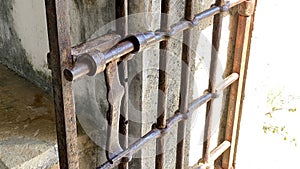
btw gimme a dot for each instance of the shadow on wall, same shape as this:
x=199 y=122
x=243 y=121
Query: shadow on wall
x=12 y=52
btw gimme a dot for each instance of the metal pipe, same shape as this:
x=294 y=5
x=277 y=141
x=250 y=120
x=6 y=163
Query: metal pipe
x=156 y=132
x=184 y=84
x=119 y=51
x=231 y=78
x=162 y=86
x=216 y=152
x=217 y=28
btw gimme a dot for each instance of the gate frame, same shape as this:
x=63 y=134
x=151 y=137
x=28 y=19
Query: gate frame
x=66 y=68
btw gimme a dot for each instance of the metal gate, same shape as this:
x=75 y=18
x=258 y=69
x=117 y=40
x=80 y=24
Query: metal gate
x=103 y=55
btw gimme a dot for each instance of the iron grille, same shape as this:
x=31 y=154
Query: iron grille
x=103 y=55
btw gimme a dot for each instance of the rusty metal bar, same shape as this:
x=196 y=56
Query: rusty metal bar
x=121 y=16
x=59 y=59
x=156 y=133
x=184 y=84
x=237 y=89
x=217 y=28
x=122 y=29
x=162 y=86
x=134 y=44
x=101 y=43
x=214 y=154
x=249 y=12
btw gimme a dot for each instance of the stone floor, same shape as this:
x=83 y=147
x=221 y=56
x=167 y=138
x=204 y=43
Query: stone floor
x=27 y=132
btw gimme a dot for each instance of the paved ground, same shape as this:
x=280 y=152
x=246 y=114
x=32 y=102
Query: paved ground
x=27 y=132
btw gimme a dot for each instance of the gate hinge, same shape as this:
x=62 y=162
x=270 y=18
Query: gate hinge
x=247 y=8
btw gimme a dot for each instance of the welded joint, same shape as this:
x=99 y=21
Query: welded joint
x=214 y=95
x=223 y=8
x=202 y=165
x=247 y=8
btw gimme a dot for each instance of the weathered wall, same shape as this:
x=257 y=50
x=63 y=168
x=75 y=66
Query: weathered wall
x=24 y=45
x=23 y=39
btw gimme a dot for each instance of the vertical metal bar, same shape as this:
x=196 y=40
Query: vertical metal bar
x=185 y=75
x=121 y=15
x=241 y=55
x=162 y=86
x=59 y=59
x=122 y=29
x=245 y=77
x=217 y=28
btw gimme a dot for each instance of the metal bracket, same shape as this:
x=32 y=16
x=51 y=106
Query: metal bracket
x=88 y=56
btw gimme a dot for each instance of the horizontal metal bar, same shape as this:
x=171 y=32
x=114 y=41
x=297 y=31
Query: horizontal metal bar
x=216 y=152
x=228 y=80
x=141 y=41
x=210 y=12
x=156 y=133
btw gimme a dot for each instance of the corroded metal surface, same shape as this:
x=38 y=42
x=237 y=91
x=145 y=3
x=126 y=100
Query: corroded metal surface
x=162 y=86
x=105 y=53
x=101 y=43
x=132 y=45
x=184 y=84
x=216 y=36
x=170 y=123
x=60 y=56
x=115 y=94
x=240 y=61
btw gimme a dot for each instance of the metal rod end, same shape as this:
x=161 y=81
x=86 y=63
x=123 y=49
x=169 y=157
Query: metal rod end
x=68 y=75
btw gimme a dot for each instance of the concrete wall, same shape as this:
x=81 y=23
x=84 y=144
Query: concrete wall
x=24 y=45
x=23 y=39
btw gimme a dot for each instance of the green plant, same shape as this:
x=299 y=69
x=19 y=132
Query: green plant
x=278 y=101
